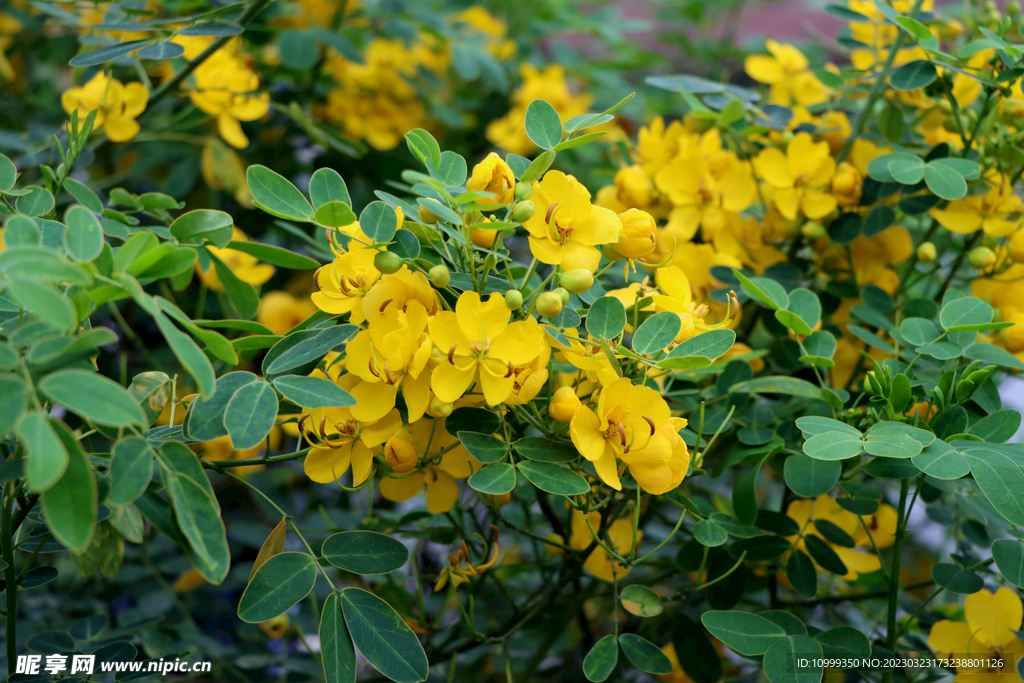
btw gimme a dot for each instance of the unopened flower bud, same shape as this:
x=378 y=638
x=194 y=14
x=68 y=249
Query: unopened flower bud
x=813 y=230
x=523 y=211
x=554 y=549
x=1012 y=112
x=483 y=237
x=638 y=233
x=577 y=280
x=387 y=262
x=1016 y=246
x=427 y=216
x=611 y=252
x=491 y=262
x=500 y=500
x=564 y=404
x=514 y=299
x=438 y=408
x=523 y=191
x=698 y=124
x=926 y=252
x=981 y=258
x=549 y=304
x=563 y=294
x=440 y=276
x=401 y=451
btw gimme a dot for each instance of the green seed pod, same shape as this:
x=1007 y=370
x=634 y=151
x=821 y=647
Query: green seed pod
x=813 y=230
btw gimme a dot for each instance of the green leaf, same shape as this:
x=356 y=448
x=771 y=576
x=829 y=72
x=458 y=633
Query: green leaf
x=644 y=655
x=553 y=479
x=379 y=221
x=1009 y=557
x=93 y=397
x=805 y=304
x=767 y=291
x=990 y=353
x=802 y=573
x=336 y=649
x=543 y=125
x=746 y=633
x=823 y=555
x=913 y=76
x=108 y=54
x=545 y=450
x=781 y=660
x=833 y=446
x=250 y=414
x=744 y=496
x=241 y=294
x=188 y=354
x=812 y=425
x=942 y=461
x=641 y=601
x=469 y=419
x=821 y=344
x=602 y=659
x=538 y=167
x=21 y=231
x=809 y=477
x=275 y=255
x=386 y=642
x=334 y=215
x=941 y=350
x=944 y=181
x=275 y=195
x=131 y=469
x=657 y=332
x=709 y=533
x=494 y=480
x=891 y=445
x=710 y=344
x=13 y=400
x=365 y=552
x=313 y=392
x=325 y=186
x=46 y=459
x=957 y=579
x=38 y=263
x=44 y=302
x=69 y=506
x=205 y=418
x=35 y=202
x=311 y=349
x=606 y=318
x=484 y=447
x=578 y=141
x=1001 y=480
x=279 y=584
x=777 y=384
x=451 y=170
x=833 y=533
x=843 y=641
x=9 y=174
x=999 y=427
x=965 y=311
x=84 y=236
x=423 y=146
x=203 y=224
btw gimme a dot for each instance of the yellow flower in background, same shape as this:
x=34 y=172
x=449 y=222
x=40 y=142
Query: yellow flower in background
x=598 y=562
x=246 y=267
x=9 y=26
x=882 y=525
x=993 y=620
x=280 y=311
x=566 y=229
x=117 y=105
x=990 y=212
x=481 y=345
x=226 y=89
x=221 y=449
x=799 y=178
x=223 y=169
x=495 y=30
x=492 y=175
x=429 y=437
x=460 y=575
x=788 y=73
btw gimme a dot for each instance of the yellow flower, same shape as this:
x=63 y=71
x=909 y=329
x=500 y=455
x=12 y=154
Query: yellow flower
x=438 y=478
x=188 y=581
x=639 y=234
x=117 y=105
x=989 y=211
x=246 y=267
x=223 y=169
x=280 y=311
x=704 y=189
x=566 y=228
x=882 y=525
x=992 y=622
x=344 y=282
x=787 y=71
x=564 y=404
x=598 y=562
x=339 y=440
x=391 y=353
x=460 y=575
x=591 y=359
x=492 y=175
x=800 y=177
x=490 y=26
x=847 y=185
x=481 y=345
x=630 y=424
x=634 y=187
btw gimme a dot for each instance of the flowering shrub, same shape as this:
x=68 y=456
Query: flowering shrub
x=731 y=407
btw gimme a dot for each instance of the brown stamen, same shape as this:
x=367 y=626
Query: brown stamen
x=373 y=368
x=302 y=420
x=622 y=434
x=651 y=423
x=511 y=369
x=387 y=373
x=451 y=354
x=385 y=304
x=323 y=424
x=551 y=210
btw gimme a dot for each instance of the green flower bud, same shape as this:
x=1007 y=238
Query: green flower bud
x=563 y=293
x=491 y=262
x=698 y=124
x=387 y=262
x=813 y=230
x=523 y=191
x=577 y=280
x=514 y=299
x=981 y=258
x=523 y=211
x=549 y=304
x=440 y=276
x=926 y=252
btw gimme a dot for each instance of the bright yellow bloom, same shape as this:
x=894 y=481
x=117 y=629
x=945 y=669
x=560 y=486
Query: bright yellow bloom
x=704 y=189
x=221 y=449
x=389 y=354
x=591 y=359
x=639 y=234
x=246 y=267
x=481 y=345
x=490 y=26
x=339 y=440
x=117 y=105
x=598 y=562
x=800 y=178
x=280 y=311
x=787 y=71
x=430 y=438
x=989 y=212
x=564 y=404
x=344 y=282
x=460 y=575
x=634 y=424
x=882 y=525
x=492 y=175
x=566 y=228
x=993 y=620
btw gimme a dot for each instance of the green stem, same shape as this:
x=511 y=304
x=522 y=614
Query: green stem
x=894 y=573
x=10 y=577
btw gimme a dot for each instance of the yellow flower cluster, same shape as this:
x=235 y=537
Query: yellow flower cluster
x=116 y=104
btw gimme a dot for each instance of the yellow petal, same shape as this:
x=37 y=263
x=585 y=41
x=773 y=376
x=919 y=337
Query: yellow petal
x=763 y=69
x=442 y=492
x=373 y=400
x=817 y=204
x=607 y=469
x=479 y=320
x=327 y=466
x=400 y=490
x=585 y=430
x=993 y=617
x=231 y=130
x=450 y=381
x=120 y=129
x=948 y=637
